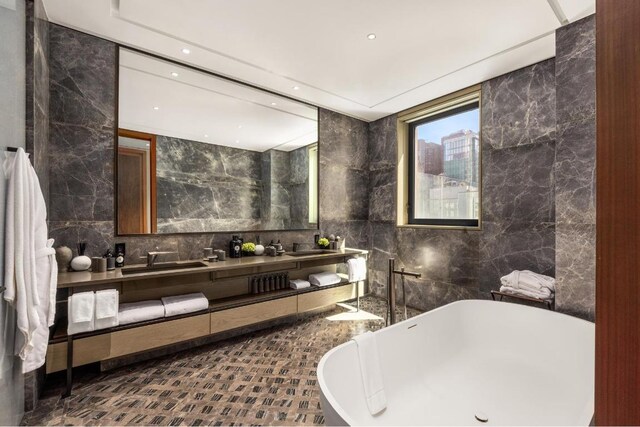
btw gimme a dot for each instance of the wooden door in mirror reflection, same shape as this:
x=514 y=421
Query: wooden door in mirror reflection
x=136 y=182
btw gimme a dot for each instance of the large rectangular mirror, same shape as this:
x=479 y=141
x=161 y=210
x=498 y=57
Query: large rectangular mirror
x=200 y=153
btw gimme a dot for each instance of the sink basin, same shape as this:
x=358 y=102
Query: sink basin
x=311 y=252
x=162 y=266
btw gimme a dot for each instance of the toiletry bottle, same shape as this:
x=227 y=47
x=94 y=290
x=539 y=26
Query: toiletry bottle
x=120 y=253
x=235 y=247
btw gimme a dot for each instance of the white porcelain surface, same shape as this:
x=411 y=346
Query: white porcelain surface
x=81 y=263
x=512 y=364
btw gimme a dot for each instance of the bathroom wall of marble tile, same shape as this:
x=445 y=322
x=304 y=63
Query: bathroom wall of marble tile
x=575 y=167
x=82 y=91
x=37 y=91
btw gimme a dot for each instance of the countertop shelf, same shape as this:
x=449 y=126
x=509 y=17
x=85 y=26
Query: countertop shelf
x=88 y=278
x=60 y=332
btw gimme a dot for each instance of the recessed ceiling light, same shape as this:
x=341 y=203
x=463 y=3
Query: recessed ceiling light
x=156 y=108
x=273 y=103
x=237 y=141
x=371 y=36
x=206 y=136
x=239 y=126
x=174 y=74
x=186 y=51
x=296 y=87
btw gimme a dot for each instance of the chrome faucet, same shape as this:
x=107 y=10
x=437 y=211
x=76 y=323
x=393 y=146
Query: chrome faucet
x=152 y=256
x=391 y=289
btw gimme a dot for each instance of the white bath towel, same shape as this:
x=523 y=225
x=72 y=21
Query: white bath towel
x=181 y=304
x=528 y=280
x=299 y=284
x=106 y=309
x=542 y=294
x=81 y=309
x=324 y=279
x=371 y=372
x=30 y=270
x=132 y=312
x=357 y=269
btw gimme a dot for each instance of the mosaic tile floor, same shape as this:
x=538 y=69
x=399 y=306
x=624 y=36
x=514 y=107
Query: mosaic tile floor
x=262 y=378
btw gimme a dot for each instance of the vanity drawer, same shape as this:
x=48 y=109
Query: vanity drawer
x=312 y=300
x=127 y=341
x=232 y=318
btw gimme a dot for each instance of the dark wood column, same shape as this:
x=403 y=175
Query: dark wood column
x=618 y=213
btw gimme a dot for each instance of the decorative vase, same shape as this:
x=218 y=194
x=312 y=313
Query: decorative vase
x=63 y=257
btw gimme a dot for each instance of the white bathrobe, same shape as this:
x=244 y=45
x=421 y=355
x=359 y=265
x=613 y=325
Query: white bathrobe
x=30 y=264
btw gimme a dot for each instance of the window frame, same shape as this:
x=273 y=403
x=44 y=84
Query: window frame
x=443 y=105
x=451 y=222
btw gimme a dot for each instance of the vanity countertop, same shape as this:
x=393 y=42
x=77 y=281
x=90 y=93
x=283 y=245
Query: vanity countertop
x=87 y=278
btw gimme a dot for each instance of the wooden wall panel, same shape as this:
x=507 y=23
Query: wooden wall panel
x=617 y=400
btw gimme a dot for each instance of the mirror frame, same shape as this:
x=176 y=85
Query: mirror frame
x=117 y=130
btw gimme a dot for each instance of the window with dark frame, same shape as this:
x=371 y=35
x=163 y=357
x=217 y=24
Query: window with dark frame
x=444 y=168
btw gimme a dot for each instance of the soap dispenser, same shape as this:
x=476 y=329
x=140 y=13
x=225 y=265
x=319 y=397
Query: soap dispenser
x=235 y=247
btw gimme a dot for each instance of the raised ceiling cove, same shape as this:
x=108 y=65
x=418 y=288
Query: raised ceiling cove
x=422 y=49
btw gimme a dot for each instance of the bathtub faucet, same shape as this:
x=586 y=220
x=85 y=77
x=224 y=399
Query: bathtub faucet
x=391 y=290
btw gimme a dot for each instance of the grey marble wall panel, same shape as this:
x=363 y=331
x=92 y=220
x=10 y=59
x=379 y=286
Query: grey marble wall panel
x=299 y=187
x=82 y=109
x=518 y=183
x=575 y=269
x=518 y=108
x=344 y=140
x=575 y=172
x=575 y=168
x=383 y=143
x=576 y=70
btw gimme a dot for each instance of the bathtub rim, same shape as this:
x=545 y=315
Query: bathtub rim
x=337 y=408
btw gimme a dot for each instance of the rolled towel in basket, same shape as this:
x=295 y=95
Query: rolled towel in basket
x=132 y=312
x=324 y=279
x=181 y=304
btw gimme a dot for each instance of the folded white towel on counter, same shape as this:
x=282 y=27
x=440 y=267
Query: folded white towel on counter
x=80 y=312
x=542 y=294
x=357 y=269
x=528 y=280
x=131 y=312
x=106 y=308
x=181 y=304
x=299 y=284
x=324 y=279
x=371 y=372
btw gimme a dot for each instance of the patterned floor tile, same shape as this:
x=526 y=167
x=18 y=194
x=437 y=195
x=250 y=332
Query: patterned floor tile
x=262 y=378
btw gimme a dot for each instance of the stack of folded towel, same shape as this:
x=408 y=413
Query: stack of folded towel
x=529 y=284
x=324 y=279
x=182 y=304
x=299 y=284
x=89 y=311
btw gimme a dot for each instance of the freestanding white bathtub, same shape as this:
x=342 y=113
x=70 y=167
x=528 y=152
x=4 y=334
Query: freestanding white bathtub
x=508 y=363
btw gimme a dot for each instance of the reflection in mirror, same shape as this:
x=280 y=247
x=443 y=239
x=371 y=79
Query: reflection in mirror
x=199 y=153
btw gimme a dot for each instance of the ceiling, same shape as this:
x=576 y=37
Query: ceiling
x=423 y=48
x=162 y=98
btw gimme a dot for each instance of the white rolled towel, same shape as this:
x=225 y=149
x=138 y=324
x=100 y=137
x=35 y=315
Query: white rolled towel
x=132 y=312
x=80 y=312
x=324 y=279
x=357 y=269
x=299 y=284
x=181 y=304
x=106 y=308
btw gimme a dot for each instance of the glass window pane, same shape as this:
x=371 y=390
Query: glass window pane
x=446 y=153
